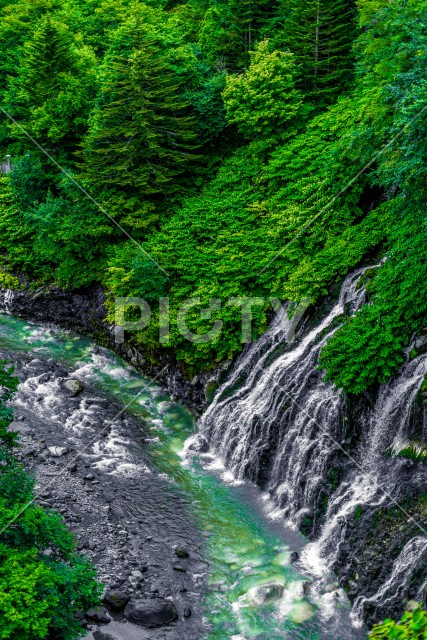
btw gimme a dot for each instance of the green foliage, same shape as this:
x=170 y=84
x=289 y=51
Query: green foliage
x=369 y=347
x=8 y=386
x=320 y=33
x=263 y=99
x=413 y=626
x=142 y=136
x=414 y=451
x=132 y=273
x=54 y=87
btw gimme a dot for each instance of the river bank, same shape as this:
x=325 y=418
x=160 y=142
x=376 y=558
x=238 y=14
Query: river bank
x=83 y=311
x=90 y=460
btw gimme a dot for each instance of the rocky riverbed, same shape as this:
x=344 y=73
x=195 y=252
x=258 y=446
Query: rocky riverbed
x=89 y=457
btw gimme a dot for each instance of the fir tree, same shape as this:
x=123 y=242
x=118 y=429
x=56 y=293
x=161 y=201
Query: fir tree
x=320 y=33
x=231 y=28
x=141 y=138
x=55 y=85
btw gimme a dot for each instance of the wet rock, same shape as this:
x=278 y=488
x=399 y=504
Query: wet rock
x=269 y=592
x=34 y=364
x=329 y=588
x=294 y=557
x=57 y=452
x=28 y=451
x=178 y=567
x=72 y=386
x=137 y=575
x=103 y=635
x=116 y=600
x=98 y=614
x=151 y=613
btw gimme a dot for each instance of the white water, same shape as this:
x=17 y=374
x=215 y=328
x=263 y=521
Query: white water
x=282 y=423
x=277 y=422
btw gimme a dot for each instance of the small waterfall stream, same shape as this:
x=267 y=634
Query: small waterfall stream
x=277 y=422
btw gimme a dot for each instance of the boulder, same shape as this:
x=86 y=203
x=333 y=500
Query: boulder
x=72 y=386
x=116 y=599
x=294 y=557
x=269 y=592
x=103 y=635
x=57 y=452
x=151 y=613
x=98 y=614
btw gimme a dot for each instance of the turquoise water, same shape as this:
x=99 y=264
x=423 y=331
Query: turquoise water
x=254 y=592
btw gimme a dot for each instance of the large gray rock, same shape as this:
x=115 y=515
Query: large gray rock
x=103 y=635
x=72 y=386
x=115 y=599
x=98 y=614
x=57 y=452
x=151 y=613
x=269 y=592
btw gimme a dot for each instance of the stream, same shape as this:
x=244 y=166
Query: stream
x=243 y=576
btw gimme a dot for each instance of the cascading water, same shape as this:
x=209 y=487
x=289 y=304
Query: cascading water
x=375 y=480
x=277 y=422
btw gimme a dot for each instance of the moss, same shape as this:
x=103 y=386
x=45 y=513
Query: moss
x=413 y=354
x=210 y=391
x=366 y=278
x=7 y=281
x=414 y=451
x=358 y=512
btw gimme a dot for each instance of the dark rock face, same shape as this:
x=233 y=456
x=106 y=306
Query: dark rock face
x=84 y=311
x=151 y=613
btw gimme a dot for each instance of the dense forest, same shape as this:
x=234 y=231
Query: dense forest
x=211 y=149
x=221 y=149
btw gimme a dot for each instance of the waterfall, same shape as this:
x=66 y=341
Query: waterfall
x=374 y=479
x=277 y=422
x=6 y=300
x=394 y=589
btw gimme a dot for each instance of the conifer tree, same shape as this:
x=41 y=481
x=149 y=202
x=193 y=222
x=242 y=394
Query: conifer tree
x=142 y=136
x=53 y=90
x=320 y=33
x=231 y=28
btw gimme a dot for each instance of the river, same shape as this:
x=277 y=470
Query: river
x=253 y=590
